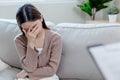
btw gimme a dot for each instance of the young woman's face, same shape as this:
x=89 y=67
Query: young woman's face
x=31 y=24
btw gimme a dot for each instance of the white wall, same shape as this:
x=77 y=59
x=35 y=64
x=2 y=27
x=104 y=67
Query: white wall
x=56 y=12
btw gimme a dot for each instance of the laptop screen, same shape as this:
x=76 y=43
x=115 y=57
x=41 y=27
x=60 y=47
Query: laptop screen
x=107 y=59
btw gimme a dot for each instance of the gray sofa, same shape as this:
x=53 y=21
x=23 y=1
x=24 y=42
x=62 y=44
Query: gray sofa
x=76 y=63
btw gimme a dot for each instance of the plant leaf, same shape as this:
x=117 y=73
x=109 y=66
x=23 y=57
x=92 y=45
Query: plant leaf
x=104 y=1
x=100 y=7
x=86 y=8
x=97 y=3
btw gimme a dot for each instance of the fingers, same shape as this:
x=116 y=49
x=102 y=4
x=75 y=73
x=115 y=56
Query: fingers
x=29 y=30
x=21 y=75
x=24 y=31
x=34 y=29
x=36 y=32
x=32 y=32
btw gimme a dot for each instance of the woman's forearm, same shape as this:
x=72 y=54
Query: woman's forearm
x=22 y=74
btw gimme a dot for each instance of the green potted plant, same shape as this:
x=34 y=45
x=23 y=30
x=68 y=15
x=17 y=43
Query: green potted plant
x=93 y=6
x=112 y=12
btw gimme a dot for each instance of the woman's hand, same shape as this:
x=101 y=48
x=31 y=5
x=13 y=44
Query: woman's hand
x=22 y=74
x=31 y=35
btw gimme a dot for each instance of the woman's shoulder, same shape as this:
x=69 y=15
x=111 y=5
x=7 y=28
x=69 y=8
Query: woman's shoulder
x=53 y=33
x=20 y=38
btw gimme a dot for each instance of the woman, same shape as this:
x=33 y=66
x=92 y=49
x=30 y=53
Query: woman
x=38 y=47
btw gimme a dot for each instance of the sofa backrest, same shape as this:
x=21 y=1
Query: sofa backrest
x=76 y=61
x=8 y=31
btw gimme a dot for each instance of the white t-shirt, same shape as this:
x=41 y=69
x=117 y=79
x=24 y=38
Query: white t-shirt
x=39 y=50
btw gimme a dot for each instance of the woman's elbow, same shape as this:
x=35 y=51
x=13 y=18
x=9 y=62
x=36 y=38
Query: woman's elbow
x=29 y=69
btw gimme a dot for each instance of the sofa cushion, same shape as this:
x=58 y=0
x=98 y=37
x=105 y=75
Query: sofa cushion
x=8 y=31
x=3 y=65
x=76 y=61
x=8 y=74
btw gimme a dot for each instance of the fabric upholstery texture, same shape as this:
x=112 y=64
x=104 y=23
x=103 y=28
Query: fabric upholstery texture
x=3 y=65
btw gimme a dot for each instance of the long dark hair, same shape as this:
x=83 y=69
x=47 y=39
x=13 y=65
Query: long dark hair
x=28 y=12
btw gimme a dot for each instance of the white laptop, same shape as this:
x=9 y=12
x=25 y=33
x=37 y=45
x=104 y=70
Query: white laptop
x=107 y=60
